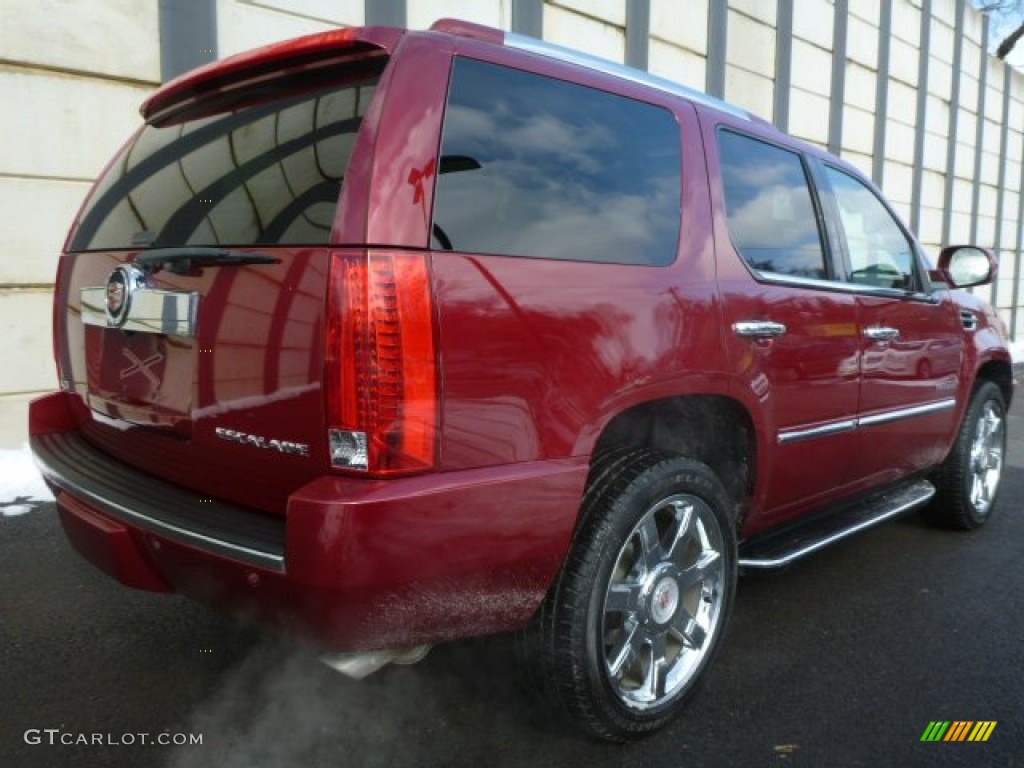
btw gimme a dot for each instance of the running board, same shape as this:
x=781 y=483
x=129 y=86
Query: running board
x=776 y=549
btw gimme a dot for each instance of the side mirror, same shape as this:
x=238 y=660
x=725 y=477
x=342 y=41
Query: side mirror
x=962 y=266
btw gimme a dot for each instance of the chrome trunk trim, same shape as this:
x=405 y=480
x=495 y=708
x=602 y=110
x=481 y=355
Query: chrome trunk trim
x=171 y=313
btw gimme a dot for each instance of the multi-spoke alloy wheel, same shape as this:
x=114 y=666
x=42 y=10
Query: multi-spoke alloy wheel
x=664 y=601
x=987 y=457
x=968 y=480
x=639 y=610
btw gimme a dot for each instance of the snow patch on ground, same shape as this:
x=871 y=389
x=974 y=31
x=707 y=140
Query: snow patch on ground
x=21 y=486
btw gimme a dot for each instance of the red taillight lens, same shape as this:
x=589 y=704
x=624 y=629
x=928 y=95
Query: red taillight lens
x=381 y=363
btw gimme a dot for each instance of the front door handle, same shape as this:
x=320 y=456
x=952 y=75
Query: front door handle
x=881 y=333
x=758 y=329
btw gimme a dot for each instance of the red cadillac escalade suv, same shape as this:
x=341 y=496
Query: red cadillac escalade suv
x=385 y=338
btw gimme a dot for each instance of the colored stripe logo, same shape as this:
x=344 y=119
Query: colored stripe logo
x=958 y=730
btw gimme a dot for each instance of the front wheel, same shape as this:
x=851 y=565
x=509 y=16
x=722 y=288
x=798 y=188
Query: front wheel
x=640 y=609
x=968 y=481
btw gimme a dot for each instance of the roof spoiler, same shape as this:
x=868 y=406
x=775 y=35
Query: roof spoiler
x=310 y=53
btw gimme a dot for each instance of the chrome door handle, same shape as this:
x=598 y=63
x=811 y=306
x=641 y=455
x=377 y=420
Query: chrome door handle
x=758 y=329
x=881 y=333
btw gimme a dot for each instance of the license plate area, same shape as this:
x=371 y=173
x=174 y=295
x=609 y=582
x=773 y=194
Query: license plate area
x=144 y=379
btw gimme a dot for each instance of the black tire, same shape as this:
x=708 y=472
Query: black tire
x=530 y=640
x=967 y=483
x=650 y=577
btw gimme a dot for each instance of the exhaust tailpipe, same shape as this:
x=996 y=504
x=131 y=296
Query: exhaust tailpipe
x=360 y=665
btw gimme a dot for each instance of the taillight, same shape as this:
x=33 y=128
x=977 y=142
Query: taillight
x=59 y=328
x=381 y=363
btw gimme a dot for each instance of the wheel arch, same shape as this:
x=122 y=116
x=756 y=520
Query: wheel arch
x=714 y=429
x=1000 y=372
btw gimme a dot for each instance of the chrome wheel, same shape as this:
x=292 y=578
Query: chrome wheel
x=986 y=457
x=967 y=482
x=663 y=603
x=639 y=611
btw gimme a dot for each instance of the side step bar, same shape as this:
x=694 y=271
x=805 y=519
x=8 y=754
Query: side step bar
x=776 y=549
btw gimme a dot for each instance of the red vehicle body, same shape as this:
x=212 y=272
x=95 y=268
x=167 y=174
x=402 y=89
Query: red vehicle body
x=201 y=461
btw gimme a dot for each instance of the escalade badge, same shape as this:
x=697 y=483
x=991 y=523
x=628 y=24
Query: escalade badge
x=258 y=441
x=118 y=298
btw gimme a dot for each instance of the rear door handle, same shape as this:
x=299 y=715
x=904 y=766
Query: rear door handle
x=758 y=329
x=881 y=333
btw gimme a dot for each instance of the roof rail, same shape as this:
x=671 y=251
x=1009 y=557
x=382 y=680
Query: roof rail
x=561 y=53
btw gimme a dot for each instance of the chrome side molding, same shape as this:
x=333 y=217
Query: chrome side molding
x=907 y=413
x=787 y=436
x=792 y=435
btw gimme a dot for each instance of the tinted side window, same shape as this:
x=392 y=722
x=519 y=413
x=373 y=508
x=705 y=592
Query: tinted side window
x=769 y=209
x=880 y=253
x=532 y=166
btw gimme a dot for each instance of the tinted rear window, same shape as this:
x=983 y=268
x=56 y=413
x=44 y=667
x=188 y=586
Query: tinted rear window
x=266 y=174
x=532 y=166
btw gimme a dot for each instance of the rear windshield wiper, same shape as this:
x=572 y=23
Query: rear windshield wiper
x=183 y=261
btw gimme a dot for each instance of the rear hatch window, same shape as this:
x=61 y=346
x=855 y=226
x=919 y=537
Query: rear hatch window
x=266 y=174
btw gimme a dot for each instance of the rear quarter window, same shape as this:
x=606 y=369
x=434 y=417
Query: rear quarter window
x=537 y=167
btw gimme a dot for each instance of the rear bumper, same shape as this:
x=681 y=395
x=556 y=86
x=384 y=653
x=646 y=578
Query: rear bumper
x=353 y=564
x=140 y=501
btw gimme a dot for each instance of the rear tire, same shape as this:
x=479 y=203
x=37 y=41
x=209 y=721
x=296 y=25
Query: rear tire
x=968 y=481
x=640 y=608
